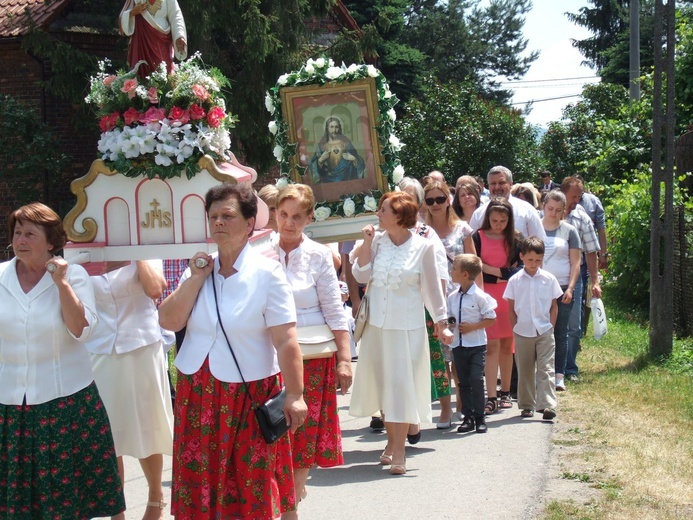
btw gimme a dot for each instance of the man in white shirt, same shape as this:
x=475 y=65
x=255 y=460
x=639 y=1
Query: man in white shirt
x=527 y=221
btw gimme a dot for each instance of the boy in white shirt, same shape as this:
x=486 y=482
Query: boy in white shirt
x=470 y=311
x=531 y=296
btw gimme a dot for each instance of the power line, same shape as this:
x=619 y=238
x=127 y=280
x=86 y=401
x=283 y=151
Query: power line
x=546 y=99
x=546 y=80
x=558 y=85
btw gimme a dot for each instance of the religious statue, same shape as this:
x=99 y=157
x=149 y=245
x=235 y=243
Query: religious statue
x=336 y=159
x=153 y=26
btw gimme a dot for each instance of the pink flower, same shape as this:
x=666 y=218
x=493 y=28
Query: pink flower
x=196 y=112
x=215 y=116
x=178 y=115
x=129 y=87
x=131 y=116
x=153 y=115
x=200 y=92
x=108 y=80
x=153 y=95
x=109 y=122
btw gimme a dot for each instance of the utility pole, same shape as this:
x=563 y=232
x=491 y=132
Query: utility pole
x=662 y=216
x=634 y=50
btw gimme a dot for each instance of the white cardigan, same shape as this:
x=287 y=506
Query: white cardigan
x=39 y=357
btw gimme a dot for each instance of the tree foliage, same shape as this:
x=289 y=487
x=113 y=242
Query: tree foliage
x=452 y=129
x=456 y=40
x=29 y=163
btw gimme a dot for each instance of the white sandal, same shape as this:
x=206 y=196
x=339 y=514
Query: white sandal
x=160 y=504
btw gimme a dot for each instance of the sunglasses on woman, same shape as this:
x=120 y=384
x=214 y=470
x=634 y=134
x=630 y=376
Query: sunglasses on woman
x=436 y=200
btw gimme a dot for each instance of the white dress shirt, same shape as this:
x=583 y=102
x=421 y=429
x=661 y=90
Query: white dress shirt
x=310 y=272
x=526 y=218
x=128 y=318
x=533 y=297
x=39 y=357
x=470 y=307
x=256 y=297
x=405 y=278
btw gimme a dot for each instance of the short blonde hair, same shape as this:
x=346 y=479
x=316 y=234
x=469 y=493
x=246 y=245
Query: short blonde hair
x=269 y=194
x=300 y=192
x=468 y=262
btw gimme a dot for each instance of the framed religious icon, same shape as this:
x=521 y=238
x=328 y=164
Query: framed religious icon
x=334 y=127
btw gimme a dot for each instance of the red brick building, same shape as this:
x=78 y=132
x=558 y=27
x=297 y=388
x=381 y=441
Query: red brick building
x=22 y=75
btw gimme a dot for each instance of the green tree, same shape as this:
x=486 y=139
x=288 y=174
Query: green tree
x=452 y=129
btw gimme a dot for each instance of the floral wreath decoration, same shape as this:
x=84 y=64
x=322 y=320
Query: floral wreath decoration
x=162 y=125
x=321 y=71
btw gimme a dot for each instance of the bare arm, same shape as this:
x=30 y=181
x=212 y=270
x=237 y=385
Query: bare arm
x=574 y=273
x=466 y=328
x=70 y=305
x=285 y=340
x=344 y=374
x=152 y=279
x=591 y=259
x=553 y=314
x=603 y=259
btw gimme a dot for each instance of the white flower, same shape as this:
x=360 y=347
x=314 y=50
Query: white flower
x=352 y=68
x=320 y=63
x=349 y=207
x=310 y=68
x=369 y=203
x=392 y=114
x=269 y=104
x=278 y=152
x=282 y=182
x=398 y=174
x=330 y=62
x=372 y=71
x=322 y=213
x=272 y=127
x=395 y=143
x=387 y=94
x=333 y=72
x=283 y=79
x=163 y=160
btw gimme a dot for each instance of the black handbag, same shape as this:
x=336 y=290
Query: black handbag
x=270 y=415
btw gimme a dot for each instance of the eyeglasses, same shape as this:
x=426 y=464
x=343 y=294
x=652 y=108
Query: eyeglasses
x=437 y=200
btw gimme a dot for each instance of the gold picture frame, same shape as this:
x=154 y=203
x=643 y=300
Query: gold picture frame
x=334 y=128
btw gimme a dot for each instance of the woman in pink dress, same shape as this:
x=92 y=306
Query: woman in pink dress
x=496 y=244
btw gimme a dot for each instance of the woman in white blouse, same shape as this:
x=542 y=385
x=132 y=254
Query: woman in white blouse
x=217 y=445
x=56 y=451
x=130 y=369
x=394 y=367
x=311 y=274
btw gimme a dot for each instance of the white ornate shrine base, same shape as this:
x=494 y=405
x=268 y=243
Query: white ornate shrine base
x=122 y=218
x=339 y=229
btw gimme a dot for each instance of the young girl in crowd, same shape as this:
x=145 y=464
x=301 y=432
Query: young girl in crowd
x=497 y=243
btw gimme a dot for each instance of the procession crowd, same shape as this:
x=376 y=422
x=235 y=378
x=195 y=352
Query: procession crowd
x=485 y=288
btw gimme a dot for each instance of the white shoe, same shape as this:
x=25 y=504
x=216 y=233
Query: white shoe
x=444 y=425
x=560 y=383
x=457 y=417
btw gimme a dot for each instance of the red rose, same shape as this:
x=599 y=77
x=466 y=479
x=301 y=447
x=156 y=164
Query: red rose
x=215 y=116
x=196 y=112
x=178 y=115
x=107 y=123
x=131 y=116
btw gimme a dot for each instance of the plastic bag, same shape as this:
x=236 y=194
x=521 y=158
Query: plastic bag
x=598 y=318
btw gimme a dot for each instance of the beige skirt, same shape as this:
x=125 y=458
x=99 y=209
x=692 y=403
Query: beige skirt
x=134 y=389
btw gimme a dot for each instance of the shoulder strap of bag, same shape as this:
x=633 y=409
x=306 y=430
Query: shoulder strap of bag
x=221 y=324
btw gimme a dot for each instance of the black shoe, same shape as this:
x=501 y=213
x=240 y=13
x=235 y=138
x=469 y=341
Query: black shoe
x=467 y=425
x=377 y=424
x=413 y=439
x=481 y=426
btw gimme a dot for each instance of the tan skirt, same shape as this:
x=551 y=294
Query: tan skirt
x=134 y=389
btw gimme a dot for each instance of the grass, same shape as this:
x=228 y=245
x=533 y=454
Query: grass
x=626 y=428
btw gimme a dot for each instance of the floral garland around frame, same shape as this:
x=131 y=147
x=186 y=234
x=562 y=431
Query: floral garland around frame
x=321 y=71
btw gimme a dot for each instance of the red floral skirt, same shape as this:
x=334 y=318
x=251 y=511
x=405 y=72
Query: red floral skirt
x=319 y=439
x=222 y=466
x=57 y=460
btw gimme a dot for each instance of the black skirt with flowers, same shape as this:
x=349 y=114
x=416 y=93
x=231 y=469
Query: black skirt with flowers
x=57 y=460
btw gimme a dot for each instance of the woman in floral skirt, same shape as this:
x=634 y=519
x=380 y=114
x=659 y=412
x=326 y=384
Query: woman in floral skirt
x=57 y=458
x=222 y=466
x=311 y=274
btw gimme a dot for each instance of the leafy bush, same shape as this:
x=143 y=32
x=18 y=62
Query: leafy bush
x=628 y=207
